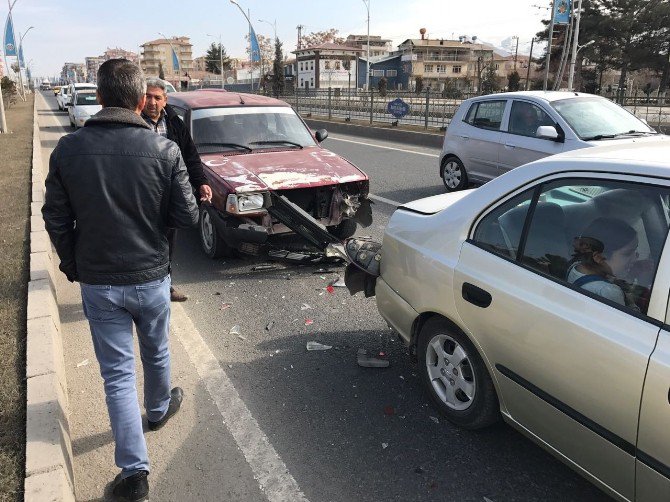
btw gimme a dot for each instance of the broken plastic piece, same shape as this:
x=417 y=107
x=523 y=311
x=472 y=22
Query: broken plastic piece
x=309 y=322
x=263 y=267
x=318 y=346
x=384 y=446
x=330 y=289
x=305 y=306
x=338 y=283
x=83 y=363
x=235 y=330
x=367 y=361
x=435 y=419
x=226 y=305
x=242 y=337
x=269 y=325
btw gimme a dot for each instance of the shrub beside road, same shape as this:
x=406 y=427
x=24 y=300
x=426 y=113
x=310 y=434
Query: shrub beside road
x=15 y=180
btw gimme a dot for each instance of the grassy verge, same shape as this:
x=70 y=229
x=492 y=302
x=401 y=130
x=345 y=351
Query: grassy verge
x=15 y=152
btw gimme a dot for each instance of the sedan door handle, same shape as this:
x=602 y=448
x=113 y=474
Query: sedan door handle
x=476 y=296
x=509 y=145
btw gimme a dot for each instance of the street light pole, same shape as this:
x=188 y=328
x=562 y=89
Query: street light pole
x=175 y=55
x=575 y=45
x=530 y=62
x=548 y=58
x=18 y=59
x=367 y=72
x=251 y=56
x=516 y=51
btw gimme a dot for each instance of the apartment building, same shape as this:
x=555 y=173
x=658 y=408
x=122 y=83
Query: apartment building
x=326 y=65
x=379 y=47
x=159 y=52
x=437 y=60
x=73 y=72
x=118 y=53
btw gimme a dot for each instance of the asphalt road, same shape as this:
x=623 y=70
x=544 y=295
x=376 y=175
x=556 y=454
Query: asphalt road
x=347 y=433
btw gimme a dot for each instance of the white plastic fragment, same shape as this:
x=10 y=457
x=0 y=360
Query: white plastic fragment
x=235 y=330
x=83 y=363
x=311 y=345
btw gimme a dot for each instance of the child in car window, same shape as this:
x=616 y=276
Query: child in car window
x=602 y=257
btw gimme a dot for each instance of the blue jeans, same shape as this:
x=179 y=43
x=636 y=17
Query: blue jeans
x=111 y=312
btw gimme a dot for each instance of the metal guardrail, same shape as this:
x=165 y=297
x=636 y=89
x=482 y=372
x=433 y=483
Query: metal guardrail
x=432 y=110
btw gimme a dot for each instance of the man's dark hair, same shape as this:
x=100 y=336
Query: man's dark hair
x=121 y=84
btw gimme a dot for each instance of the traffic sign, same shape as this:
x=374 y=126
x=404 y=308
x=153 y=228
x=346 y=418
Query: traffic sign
x=398 y=108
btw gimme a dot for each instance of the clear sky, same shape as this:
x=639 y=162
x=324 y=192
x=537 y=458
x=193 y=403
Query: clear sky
x=69 y=30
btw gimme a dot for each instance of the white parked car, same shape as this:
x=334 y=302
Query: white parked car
x=84 y=103
x=489 y=135
x=542 y=297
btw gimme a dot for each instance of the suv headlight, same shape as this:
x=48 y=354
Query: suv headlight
x=245 y=203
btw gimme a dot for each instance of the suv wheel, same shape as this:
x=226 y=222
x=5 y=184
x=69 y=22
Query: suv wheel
x=453 y=174
x=455 y=376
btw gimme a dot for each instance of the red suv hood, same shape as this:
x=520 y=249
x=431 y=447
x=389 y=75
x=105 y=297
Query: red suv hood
x=281 y=170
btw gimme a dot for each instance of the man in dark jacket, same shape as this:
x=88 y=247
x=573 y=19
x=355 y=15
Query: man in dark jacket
x=163 y=120
x=113 y=189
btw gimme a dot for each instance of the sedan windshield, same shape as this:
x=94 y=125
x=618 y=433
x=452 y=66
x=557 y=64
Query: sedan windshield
x=253 y=128
x=87 y=99
x=598 y=118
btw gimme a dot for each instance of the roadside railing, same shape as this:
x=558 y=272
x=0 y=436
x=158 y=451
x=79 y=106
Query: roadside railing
x=431 y=110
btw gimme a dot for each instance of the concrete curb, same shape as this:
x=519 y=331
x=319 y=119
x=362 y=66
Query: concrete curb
x=433 y=140
x=49 y=472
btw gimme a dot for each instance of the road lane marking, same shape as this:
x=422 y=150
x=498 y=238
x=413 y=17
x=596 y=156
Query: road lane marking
x=386 y=147
x=384 y=200
x=269 y=470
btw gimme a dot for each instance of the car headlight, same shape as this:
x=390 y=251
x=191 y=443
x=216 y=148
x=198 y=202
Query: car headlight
x=245 y=203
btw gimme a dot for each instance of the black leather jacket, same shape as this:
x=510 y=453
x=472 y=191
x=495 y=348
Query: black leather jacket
x=114 y=187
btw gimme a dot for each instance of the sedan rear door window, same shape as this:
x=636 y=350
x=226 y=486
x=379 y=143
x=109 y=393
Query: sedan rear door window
x=486 y=114
x=603 y=238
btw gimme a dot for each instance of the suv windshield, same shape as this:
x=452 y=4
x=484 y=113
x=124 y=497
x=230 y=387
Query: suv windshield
x=599 y=118
x=87 y=99
x=239 y=128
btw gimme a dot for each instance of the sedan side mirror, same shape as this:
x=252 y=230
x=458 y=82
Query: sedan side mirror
x=548 y=132
x=321 y=134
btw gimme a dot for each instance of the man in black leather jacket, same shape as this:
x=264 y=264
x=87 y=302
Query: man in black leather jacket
x=114 y=188
x=164 y=121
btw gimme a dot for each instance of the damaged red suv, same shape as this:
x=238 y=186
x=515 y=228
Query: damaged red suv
x=268 y=173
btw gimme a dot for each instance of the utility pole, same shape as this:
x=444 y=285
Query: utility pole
x=3 y=121
x=300 y=28
x=530 y=62
x=367 y=73
x=516 y=52
x=575 y=44
x=548 y=58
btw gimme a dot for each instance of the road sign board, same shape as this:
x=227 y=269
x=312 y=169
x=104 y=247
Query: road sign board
x=398 y=108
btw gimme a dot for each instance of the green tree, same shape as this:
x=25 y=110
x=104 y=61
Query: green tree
x=513 y=80
x=489 y=79
x=278 y=79
x=9 y=91
x=161 y=72
x=215 y=53
x=418 y=84
x=382 y=86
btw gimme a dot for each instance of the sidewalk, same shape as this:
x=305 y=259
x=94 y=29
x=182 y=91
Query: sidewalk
x=194 y=457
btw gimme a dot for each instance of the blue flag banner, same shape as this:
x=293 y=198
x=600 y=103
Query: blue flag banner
x=9 y=41
x=175 y=61
x=255 y=49
x=562 y=11
x=22 y=63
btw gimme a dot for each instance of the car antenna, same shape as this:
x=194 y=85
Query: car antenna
x=241 y=100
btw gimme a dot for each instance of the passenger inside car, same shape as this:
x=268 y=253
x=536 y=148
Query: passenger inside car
x=602 y=258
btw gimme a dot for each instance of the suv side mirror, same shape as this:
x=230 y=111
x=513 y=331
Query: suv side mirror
x=321 y=134
x=548 y=132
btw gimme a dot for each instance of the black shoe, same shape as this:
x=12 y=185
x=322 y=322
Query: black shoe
x=176 y=396
x=133 y=488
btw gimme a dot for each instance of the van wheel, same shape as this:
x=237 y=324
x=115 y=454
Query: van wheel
x=456 y=377
x=453 y=174
x=211 y=241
